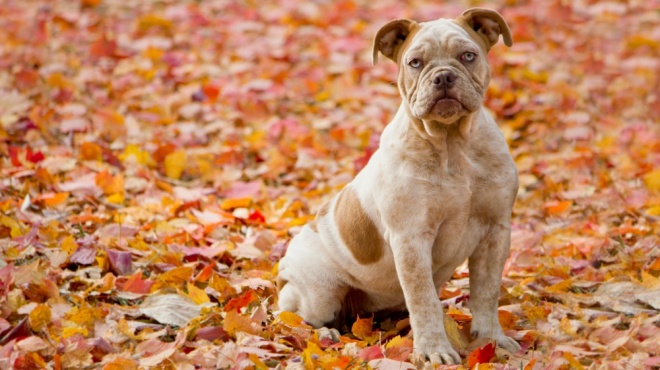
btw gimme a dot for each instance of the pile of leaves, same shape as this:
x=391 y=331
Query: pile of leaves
x=156 y=157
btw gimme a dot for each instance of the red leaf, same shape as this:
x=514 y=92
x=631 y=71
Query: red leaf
x=371 y=353
x=257 y=216
x=481 y=355
x=34 y=157
x=13 y=154
x=135 y=284
x=240 y=301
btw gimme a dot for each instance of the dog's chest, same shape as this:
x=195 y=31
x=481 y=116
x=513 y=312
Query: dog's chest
x=471 y=201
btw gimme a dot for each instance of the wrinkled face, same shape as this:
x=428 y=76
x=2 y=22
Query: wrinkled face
x=443 y=73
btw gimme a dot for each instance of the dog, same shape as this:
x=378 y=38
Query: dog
x=439 y=189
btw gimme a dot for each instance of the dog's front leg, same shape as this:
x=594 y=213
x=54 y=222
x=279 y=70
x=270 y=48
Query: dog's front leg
x=412 y=257
x=486 y=265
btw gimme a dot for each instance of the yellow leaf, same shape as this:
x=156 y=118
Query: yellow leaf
x=117 y=198
x=653 y=211
x=575 y=364
x=39 y=317
x=652 y=180
x=197 y=295
x=133 y=152
x=71 y=331
x=258 y=364
x=86 y=316
x=454 y=335
x=177 y=275
x=561 y=287
x=290 y=319
x=153 y=53
x=399 y=341
x=16 y=228
x=175 y=163
x=69 y=244
x=152 y=20
x=312 y=349
x=565 y=325
x=636 y=41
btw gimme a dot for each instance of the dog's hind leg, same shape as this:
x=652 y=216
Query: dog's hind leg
x=309 y=287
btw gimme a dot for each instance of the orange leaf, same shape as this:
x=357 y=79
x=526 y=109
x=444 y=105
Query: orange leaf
x=54 y=199
x=205 y=274
x=557 y=207
x=399 y=348
x=530 y=365
x=121 y=363
x=362 y=328
x=232 y=203
x=507 y=319
x=135 y=284
x=241 y=301
x=91 y=151
x=235 y=322
x=110 y=184
x=481 y=355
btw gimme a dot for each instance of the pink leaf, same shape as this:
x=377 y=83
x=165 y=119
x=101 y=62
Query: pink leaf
x=83 y=256
x=120 y=262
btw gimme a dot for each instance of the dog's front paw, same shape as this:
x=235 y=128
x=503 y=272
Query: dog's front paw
x=435 y=356
x=507 y=343
x=502 y=340
x=328 y=333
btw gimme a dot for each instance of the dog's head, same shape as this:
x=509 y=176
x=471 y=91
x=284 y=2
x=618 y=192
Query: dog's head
x=443 y=64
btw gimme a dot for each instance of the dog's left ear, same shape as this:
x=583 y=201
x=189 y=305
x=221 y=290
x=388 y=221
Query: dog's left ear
x=390 y=37
x=488 y=24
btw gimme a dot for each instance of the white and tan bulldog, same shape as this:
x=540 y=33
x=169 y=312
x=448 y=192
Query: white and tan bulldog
x=439 y=189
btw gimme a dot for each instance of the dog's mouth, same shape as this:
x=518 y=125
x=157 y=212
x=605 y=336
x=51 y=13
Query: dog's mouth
x=446 y=105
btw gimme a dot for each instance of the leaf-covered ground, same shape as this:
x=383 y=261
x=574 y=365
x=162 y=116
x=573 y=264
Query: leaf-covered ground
x=156 y=157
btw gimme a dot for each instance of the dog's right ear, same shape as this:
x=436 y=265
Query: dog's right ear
x=390 y=37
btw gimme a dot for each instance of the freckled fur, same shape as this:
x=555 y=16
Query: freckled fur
x=439 y=189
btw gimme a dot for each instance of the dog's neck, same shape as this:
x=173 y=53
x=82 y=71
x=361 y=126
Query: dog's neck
x=434 y=141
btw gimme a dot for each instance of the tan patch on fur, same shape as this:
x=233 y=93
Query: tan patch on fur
x=325 y=208
x=356 y=229
x=280 y=283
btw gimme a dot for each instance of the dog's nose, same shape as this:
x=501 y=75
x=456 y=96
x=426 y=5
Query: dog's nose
x=445 y=79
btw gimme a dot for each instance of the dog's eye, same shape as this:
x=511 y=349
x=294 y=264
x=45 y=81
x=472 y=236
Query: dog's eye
x=415 y=63
x=469 y=56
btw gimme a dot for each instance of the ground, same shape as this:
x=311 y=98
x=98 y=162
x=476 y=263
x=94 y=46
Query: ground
x=156 y=158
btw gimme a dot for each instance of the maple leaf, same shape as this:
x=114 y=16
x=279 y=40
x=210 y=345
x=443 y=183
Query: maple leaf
x=481 y=355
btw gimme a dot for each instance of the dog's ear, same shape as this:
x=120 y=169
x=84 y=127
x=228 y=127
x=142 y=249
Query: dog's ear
x=488 y=24
x=390 y=37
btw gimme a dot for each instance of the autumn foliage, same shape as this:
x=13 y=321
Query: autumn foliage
x=156 y=157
